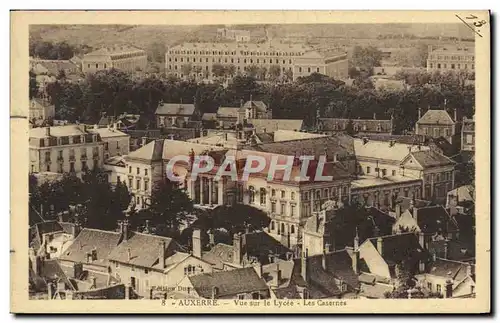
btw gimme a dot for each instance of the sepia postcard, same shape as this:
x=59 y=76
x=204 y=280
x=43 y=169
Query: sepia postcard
x=250 y=162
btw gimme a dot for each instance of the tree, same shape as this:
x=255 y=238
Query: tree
x=186 y=69
x=170 y=206
x=236 y=218
x=231 y=70
x=366 y=58
x=349 y=128
x=288 y=75
x=252 y=70
x=274 y=72
x=218 y=70
x=33 y=92
x=156 y=52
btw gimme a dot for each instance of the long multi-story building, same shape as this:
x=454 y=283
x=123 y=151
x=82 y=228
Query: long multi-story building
x=300 y=60
x=450 y=59
x=65 y=149
x=127 y=58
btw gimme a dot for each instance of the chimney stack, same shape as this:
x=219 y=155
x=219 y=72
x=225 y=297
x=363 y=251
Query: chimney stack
x=323 y=258
x=421 y=240
x=161 y=253
x=380 y=246
x=215 y=292
x=355 y=256
x=196 y=243
x=47 y=131
x=449 y=288
x=258 y=269
x=237 y=248
x=211 y=238
x=93 y=281
x=398 y=211
x=455 y=114
x=129 y=254
x=446 y=249
x=77 y=270
x=419 y=113
x=304 y=269
x=125 y=226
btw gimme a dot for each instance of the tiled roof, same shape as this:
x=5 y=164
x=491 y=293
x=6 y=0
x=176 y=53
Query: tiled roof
x=432 y=219
x=219 y=254
x=436 y=117
x=339 y=263
x=431 y=158
x=261 y=106
x=362 y=125
x=450 y=269
x=58 y=131
x=286 y=268
x=103 y=241
x=265 y=137
x=383 y=221
x=178 y=109
x=405 y=203
x=375 y=290
x=452 y=250
x=464 y=193
x=228 y=283
x=338 y=144
x=41 y=228
x=401 y=139
x=227 y=112
x=144 y=249
x=400 y=247
x=52 y=270
x=271 y=125
x=275 y=47
x=115 y=50
x=384 y=149
x=151 y=152
x=108 y=132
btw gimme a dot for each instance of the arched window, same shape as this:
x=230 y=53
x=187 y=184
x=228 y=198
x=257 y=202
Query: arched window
x=282 y=228
x=272 y=226
x=292 y=229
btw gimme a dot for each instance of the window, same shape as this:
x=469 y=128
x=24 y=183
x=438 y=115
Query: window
x=393 y=172
x=262 y=196
x=309 y=70
x=292 y=229
x=72 y=167
x=429 y=286
x=241 y=296
x=468 y=139
x=59 y=168
x=292 y=196
x=146 y=185
x=138 y=171
x=272 y=225
x=130 y=183
x=292 y=211
x=438 y=288
x=452 y=66
x=439 y=65
x=118 y=179
x=84 y=165
x=273 y=192
x=282 y=228
x=130 y=169
x=368 y=169
x=96 y=65
x=273 y=207
x=317 y=69
x=48 y=167
x=283 y=194
x=384 y=172
x=146 y=271
x=283 y=208
x=300 y=69
x=138 y=184
x=251 y=190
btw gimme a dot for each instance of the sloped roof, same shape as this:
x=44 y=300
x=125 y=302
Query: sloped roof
x=41 y=228
x=52 y=270
x=227 y=112
x=103 y=241
x=177 y=109
x=449 y=269
x=384 y=149
x=453 y=249
x=271 y=125
x=219 y=254
x=261 y=106
x=436 y=117
x=431 y=158
x=286 y=268
x=150 y=152
x=432 y=219
x=108 y=132
x=228 y=283
x=115 y=50
x=39 y=103
x=464 y=193
x=397 y=248
x=265 y=137
x=54 y=66
x=209 y=117
x=144 y=249
x=405 y=203
x=58 y=131
x=362 y=125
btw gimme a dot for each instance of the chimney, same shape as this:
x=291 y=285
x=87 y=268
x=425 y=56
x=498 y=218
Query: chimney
x=446 y=249
x=258 y=269
x=119 y=226
x=127 y=291
x=215 y=292
x=276 y=278
x=421 y=239
x=355 y=256
x=380 y=246
x=374 y=116
x=47 y=131
x=196 y=244
x=449 y=289
x=93 y=281
x=125 y=230
x=398 y=211
x=304 y=269
x=455 y=114
x=50 y=290
x=211 y=238
x=161 y=253
x=241 y=102
x=469 y=270
x=129 y=255
x=144 y=141
x=365 y=140
x=237 y=248
x=77 y=270
x=323 y=258
x=264 y=130
x=419 y=113
x=60 y=217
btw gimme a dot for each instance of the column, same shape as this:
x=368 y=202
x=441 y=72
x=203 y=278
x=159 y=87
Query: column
x=210 y=192
x=311 y=195
x=202 y=180
x=221 y=191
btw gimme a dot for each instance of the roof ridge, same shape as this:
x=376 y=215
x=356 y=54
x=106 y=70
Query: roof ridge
x=100 y=230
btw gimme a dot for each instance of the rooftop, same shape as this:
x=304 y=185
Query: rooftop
x=271 y=125
x=370 y=181
x=228 y=283
x=397 y=248
x=265 y=47
x=436 y=117
x=116 y=50
x=385 y=150
x=178 y=109
x=364 y=125
x=58 y=131
x=431 y=158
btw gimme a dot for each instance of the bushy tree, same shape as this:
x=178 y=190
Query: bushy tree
x=366 y=58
